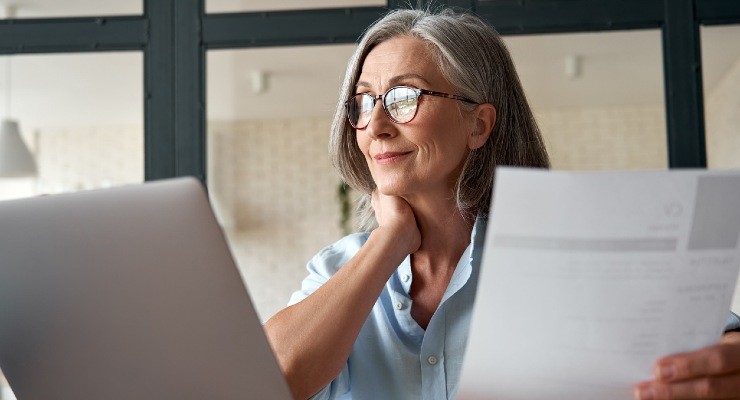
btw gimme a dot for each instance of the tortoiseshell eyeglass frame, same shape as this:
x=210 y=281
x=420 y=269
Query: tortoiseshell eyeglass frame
x=375 y=99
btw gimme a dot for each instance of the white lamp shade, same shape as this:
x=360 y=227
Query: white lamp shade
x=15 y=159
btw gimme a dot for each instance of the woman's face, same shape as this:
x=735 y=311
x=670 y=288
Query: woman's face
x=424 y=156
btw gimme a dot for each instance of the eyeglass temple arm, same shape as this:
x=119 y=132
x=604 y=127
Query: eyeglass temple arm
x=449 y=96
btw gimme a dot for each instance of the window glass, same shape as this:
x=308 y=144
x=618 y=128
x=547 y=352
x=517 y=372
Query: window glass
x=80 y=117
x=721 y=69
x=223 y=6
x=82 y=123
x=597 y=97
x=269 y=176
x=76 y=8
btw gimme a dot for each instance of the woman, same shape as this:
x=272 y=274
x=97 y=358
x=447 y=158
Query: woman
x=385 y=314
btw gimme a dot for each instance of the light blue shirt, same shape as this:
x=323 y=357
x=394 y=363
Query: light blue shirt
x=393 y=357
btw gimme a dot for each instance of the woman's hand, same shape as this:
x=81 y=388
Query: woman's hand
x=709 y=373
x=394 y=214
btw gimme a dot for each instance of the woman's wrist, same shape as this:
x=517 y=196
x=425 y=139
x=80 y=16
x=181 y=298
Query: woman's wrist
x=396 y=242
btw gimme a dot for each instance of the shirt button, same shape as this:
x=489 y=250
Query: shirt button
x=432 y=360
x=399 y=305
x=405 y=278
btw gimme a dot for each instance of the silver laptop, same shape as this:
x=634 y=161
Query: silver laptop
x=127 y=293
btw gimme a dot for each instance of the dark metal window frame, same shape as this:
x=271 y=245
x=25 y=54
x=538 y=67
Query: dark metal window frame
x=176 y=34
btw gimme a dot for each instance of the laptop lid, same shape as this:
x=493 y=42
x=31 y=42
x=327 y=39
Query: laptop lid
x=127 y=293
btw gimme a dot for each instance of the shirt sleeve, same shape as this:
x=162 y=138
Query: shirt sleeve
x=326 y=263
x=338 y=389
x=320 y=269
x=733 y=322
x=317 y=276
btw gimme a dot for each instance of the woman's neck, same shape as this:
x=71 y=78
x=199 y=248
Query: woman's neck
x=445 y=232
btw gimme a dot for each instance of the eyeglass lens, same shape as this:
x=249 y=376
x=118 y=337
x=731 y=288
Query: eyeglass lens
x=400 y=104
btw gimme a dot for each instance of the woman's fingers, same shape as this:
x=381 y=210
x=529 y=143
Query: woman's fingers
x=731 y=337
x=708 y=387
x=720 y=359
x=709 y=373
x=374 y=203
x=391 y=209
x=395 y=214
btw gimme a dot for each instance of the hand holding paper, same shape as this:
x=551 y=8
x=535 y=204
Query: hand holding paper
x=710 y=373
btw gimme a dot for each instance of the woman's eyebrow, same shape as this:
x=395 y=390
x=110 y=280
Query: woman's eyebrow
x=400 y=78
x=395 y=80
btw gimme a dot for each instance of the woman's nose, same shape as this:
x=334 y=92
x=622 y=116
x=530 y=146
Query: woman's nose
x=380 y=125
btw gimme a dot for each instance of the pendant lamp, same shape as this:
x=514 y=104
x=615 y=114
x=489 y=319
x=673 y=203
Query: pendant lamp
x=16 y=160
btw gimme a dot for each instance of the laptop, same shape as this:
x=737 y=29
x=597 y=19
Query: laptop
x=127 y=293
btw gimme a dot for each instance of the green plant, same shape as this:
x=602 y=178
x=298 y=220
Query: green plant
x=344 y=207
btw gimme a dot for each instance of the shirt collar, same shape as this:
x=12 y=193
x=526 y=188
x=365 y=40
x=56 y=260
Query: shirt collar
x=469 y=262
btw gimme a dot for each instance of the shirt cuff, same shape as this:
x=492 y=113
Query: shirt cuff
x=733 y=322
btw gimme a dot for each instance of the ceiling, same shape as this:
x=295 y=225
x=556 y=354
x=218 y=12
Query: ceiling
x=617 y=68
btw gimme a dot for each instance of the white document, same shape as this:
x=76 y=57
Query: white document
x=588 y=278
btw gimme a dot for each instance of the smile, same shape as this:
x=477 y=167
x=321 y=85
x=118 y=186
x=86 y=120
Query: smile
x=390 y=157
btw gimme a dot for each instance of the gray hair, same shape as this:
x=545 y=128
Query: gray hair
x=473 y=59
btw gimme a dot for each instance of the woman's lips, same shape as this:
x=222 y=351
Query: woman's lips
x=390 y=156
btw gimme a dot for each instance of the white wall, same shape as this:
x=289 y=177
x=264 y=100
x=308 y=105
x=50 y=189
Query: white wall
x=722 y=110
x=275 y=190
x=596 y=138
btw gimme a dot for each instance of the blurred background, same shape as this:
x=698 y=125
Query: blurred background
x=598 y=97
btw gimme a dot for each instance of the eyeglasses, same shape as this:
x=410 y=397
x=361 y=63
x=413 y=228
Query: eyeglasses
x=399 y=103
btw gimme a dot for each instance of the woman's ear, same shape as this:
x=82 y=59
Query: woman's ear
x=485 y=119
